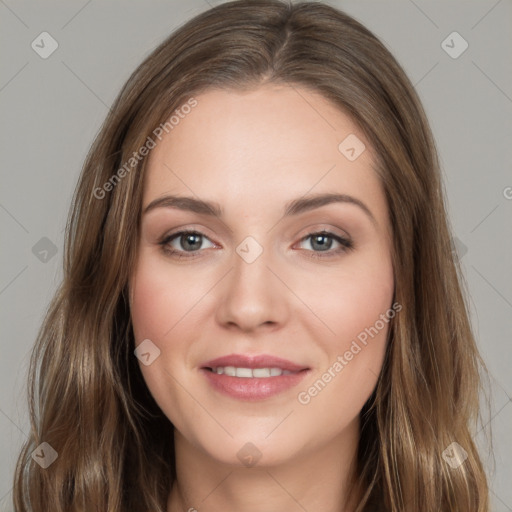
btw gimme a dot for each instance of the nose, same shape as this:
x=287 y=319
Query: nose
x=252 y=296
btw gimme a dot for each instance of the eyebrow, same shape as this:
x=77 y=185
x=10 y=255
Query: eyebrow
x=294 y=207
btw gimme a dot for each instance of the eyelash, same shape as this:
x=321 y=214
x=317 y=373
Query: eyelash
x=346 y=245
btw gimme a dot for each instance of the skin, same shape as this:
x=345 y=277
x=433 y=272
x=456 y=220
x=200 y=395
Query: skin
x=252 y=152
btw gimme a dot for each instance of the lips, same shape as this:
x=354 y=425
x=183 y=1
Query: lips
x=252 y=377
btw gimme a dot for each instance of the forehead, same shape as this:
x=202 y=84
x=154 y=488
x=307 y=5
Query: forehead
x=269 y=144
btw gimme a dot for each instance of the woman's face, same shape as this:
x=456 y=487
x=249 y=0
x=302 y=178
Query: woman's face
x=270 y=275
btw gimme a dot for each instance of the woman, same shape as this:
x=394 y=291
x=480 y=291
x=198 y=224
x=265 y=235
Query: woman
x=260 y=309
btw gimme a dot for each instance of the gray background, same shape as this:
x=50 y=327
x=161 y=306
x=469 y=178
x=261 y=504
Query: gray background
x=51 y=109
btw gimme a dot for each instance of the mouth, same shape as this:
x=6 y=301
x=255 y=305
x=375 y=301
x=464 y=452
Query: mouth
x=250 y=373
x=253 y=377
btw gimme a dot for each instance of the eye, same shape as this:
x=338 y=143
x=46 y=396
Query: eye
x=186 y=242
x=322 y=241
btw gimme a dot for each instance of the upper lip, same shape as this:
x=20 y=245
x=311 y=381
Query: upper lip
x=255 y=361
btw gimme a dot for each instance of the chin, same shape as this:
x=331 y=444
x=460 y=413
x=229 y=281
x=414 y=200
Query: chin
x=253 y=450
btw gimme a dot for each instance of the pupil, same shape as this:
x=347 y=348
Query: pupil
x=190 y=244
x=323 y=245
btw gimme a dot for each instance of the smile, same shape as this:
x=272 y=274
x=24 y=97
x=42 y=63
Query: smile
x=232 y=371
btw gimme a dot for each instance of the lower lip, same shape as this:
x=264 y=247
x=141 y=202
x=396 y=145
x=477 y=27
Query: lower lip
x=253 y=388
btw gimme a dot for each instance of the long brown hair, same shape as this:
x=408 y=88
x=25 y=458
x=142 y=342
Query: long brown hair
x=87 y=397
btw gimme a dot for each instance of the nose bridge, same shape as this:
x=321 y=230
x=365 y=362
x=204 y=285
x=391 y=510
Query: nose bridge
x=252 y=295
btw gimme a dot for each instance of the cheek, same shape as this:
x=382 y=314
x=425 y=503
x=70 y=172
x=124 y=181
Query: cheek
x=160 y=298
x=352 y=298
x=356 y=305
x=157 y=303
x=146 y=304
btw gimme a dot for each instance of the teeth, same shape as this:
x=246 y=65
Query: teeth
x=243 y=372
x=261 y=372
x=231 y=371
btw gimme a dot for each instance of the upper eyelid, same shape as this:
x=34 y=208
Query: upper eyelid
x=179 y=232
